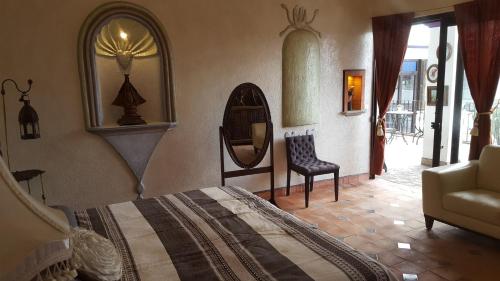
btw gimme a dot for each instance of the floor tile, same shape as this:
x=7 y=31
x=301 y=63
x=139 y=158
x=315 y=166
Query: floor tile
x=409 y=267
x=364 y=219
x=449 y=273
x=429 y=276
x=389 y=259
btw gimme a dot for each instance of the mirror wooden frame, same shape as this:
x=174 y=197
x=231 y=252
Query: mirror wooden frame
x=248 y=169
x=226 y=121
x=86 y=59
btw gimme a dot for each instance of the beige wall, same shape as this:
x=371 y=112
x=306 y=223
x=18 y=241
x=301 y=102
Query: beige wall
x=215 y=45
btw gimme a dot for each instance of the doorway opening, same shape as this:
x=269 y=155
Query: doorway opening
x=431 y=114
x=411 y=118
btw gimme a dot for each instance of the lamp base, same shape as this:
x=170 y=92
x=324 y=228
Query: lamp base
x=130 y=117
x=127 y=120
x=129 y=99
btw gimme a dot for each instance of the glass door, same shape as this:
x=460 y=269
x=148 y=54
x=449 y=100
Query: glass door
x=420 y=107
x=439 y=89
x=431 y=113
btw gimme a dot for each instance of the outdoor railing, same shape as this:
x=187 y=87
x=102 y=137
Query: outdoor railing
x=415 y=123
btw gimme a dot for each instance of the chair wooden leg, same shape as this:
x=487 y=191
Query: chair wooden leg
x=288 y=173
x=307 y=183
x=429 y=222
x=312 y=183
x=336 y=179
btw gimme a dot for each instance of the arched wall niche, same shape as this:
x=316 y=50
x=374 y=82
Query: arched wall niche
x=134 y=142
x=87 y=64
x=300 y=69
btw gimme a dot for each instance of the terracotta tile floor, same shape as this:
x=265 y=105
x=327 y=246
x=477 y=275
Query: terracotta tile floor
x=377 y=216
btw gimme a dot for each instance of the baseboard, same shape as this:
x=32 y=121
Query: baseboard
x=428 y=162
x=345 y=181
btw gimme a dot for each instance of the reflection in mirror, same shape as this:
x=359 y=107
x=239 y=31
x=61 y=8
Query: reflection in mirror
x=246 y=125
x=353 y=94
x=124 y=40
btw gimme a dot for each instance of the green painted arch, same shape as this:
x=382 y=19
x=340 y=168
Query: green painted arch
x=301 y=71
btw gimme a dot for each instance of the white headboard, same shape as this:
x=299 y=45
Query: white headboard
x=33 y=236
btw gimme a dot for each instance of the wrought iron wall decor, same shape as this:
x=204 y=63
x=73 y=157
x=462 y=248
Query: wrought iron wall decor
x=301 y=69
x=298 y=20
x=28 y=117
x=28 y=129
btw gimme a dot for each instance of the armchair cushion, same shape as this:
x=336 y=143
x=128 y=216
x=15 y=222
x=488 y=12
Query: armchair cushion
x=451 y=178
x=488 y=172
x=480 y=204
x=258 y=134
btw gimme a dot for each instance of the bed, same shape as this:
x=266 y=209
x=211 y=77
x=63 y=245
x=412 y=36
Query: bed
x=223 y=233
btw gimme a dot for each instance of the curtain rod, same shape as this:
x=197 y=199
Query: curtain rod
x=433 y=11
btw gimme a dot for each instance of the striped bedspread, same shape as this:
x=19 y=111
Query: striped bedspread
x=223 y=233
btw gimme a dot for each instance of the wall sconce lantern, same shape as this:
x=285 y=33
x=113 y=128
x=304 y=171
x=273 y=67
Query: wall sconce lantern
x=28 y=129
x=28 y=118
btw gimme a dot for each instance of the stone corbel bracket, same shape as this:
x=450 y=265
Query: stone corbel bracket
x=135 y=146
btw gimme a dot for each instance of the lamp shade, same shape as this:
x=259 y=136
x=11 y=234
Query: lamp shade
x=125 y=39
x=28 y=121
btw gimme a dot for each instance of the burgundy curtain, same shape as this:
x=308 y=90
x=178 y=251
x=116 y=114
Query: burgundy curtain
x=479 y=38
x=390 y=39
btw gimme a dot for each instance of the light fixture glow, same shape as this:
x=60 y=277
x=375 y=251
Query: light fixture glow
x=123 y=35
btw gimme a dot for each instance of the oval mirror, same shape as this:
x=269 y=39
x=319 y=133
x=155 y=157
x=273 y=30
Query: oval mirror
x=247 y=125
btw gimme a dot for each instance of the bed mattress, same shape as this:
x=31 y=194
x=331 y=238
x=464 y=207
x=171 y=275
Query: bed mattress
x=223 y=233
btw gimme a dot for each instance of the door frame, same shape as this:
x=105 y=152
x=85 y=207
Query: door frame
x=457 y=108
x=446 y=20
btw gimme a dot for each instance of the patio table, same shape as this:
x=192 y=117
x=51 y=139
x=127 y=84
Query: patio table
x=400 y=116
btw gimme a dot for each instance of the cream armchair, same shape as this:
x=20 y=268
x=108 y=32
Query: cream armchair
x=258 y=135
x=466 y=195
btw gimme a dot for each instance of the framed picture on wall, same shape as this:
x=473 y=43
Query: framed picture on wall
x=432 y=95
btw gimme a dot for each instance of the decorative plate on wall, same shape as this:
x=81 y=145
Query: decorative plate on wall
x=449 y=51
x=432 y=73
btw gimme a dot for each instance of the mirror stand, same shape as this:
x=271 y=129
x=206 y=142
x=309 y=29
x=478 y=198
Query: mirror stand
x=248 y=171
